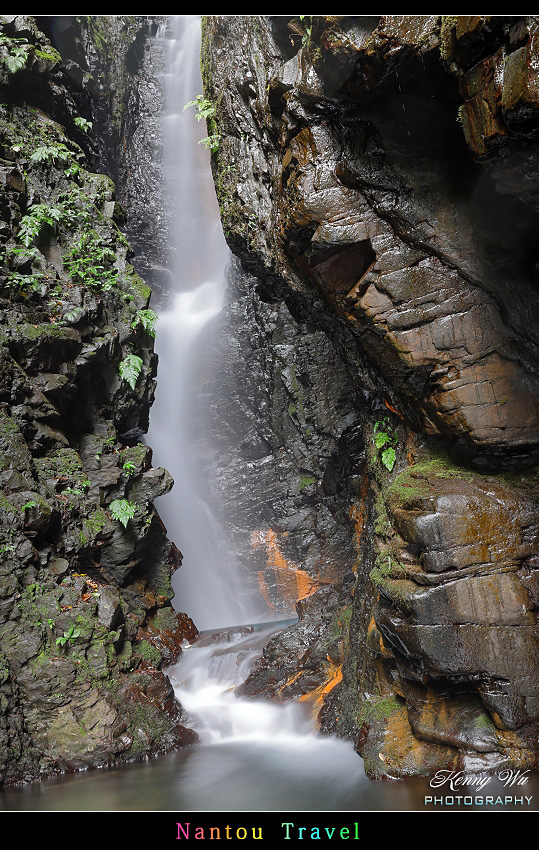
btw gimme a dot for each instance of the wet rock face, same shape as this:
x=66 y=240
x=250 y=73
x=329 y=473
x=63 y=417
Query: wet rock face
x=378 y=173
x=455 y=596
x=304 y=662
x=410 y=257
x=286 y=431
x=85 y=598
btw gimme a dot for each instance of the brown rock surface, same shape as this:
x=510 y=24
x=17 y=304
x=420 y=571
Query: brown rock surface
x=379 y=174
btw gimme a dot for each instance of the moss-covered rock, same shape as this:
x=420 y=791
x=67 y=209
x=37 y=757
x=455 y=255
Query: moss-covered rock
x=75 y=586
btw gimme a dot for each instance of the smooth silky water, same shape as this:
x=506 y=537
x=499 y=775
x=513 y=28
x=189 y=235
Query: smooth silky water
x=253 y=755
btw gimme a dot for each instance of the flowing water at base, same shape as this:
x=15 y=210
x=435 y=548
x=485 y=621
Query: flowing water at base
x=240 y=777
x=253 y=756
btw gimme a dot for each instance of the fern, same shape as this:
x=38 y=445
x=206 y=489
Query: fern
x=23 y=284
x=206 y=110
x=37 y=216
x=211 y=143
x=16 y=60
x=146 y=318
x=129 y=369
x=50 y=153
x=73 y=171
x=205 y=107
x=18 y=53
x=89 y=261
x=82 y=123
x=388 y=458
x=122 y=510
x=381 y=438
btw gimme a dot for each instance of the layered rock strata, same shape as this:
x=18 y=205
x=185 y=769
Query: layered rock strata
x=376 y=179
x=85 y=613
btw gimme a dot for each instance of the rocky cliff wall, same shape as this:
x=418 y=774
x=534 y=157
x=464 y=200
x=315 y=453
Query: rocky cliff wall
x=376 y=178
x=86 y=621
x=116 y=64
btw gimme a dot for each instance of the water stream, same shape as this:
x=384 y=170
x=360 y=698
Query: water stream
x=184 y=336
x=237 y=732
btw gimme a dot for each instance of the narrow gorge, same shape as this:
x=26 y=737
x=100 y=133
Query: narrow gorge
x=346 y=397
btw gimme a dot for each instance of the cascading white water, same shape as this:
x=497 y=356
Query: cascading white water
x=207 y=586
x=208 y=590
x=256 y=754
x=204 y=682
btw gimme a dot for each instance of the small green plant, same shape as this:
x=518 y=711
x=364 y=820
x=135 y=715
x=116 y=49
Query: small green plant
x=23 y=284
x=206 y=110
x=129 y=369
x=72 y=491
x=50 y=623
x=32 y=223
x=17 y=57
x=71 y=634
x=385 y=441
x=129 y=467
x=71 y=317
x=82 y=123
x=122 y=510
x=146 y=318
x=204 y=106
x=73 y=171
x=30 y=504
x=89 y=263
x=50 y=153
x=78 y=212
x=211 y=143
x=20 y=255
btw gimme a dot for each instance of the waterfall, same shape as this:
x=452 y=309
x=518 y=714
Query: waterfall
x=207 y=585
x=256 y=754
x=235 y=731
